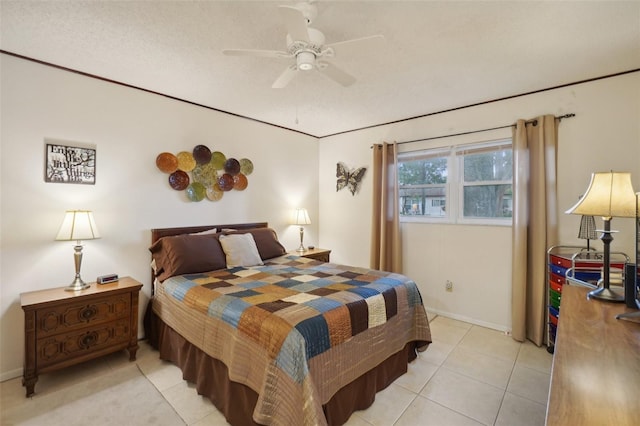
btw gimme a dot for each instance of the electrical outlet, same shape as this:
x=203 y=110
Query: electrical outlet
x=448 y=285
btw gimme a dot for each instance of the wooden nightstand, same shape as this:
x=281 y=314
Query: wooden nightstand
x=315 y=253
x=63 y=328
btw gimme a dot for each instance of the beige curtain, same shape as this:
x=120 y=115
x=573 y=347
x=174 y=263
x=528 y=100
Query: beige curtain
x=386 y=249
x=535 y=223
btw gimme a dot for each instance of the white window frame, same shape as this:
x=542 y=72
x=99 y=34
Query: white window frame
x=454 y=188
x=435 y=153
x=459 y=153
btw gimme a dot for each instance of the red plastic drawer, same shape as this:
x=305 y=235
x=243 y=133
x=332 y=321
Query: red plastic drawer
x=553 y=320
x=558 y=279
x=560 y=261
x=555 y=286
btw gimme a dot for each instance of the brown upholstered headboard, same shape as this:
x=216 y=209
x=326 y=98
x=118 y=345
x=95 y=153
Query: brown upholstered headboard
x=158 y=233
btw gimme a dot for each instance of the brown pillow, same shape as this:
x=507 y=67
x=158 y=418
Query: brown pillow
x=266 y=240
x=187 y=254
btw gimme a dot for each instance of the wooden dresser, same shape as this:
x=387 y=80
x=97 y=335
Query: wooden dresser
x=595 y=378
x=64 y=328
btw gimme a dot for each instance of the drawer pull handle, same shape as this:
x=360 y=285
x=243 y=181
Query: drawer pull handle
x=88 y=312
x=88 y=340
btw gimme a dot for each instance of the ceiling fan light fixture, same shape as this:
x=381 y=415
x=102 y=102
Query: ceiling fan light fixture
x=305 y=61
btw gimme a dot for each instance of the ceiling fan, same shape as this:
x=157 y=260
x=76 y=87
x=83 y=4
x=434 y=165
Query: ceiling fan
x=307 y=46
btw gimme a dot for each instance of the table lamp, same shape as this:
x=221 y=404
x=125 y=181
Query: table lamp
x=587 y=230
x=77 y=225
x=301 y=217
x=610 y=194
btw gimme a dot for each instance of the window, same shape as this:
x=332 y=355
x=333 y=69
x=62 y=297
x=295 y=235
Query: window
x=422 y=178
x=464 y=184
x=487 y=173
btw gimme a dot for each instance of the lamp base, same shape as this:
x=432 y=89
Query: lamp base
x=630 y=316
x=301 y=249
x=606 y=294
x=77 y=285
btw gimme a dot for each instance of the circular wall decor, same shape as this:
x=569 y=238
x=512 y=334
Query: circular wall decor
x=203 y=173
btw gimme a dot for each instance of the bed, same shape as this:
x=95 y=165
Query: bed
x=277 y=339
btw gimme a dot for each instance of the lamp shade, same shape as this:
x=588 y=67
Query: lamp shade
x=587 y=229
x=78 y=225
x=610 y=194
x=301 y=217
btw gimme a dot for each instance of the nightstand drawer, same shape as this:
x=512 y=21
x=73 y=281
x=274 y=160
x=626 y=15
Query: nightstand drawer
x=65 y=318
x=64 y=347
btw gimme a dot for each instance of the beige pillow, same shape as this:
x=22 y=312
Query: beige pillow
x=240 y=250
x=207 y=232
x=266 y=241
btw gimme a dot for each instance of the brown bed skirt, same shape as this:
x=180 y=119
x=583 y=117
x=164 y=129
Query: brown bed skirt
x=237 y=401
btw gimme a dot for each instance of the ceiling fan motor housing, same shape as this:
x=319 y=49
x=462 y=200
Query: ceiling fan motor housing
x=306 y=52
x=305 y=61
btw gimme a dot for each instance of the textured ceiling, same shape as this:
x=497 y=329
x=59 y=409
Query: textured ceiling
x=437 y=55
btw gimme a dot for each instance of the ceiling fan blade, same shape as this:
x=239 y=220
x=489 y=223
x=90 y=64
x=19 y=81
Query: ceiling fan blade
x=335 y=73
x=285 y=77
x=295 y=22
x=256 y=52
x=355 y=46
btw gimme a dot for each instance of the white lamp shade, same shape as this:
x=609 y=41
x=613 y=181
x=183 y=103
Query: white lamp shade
x=610 y=194
x=301 y=217
x=78 y=225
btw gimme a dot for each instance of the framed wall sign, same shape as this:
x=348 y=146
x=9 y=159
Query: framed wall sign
x=69 y=164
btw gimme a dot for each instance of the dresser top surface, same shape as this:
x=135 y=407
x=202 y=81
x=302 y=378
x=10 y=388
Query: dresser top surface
x=596 y=364
x=60 y=294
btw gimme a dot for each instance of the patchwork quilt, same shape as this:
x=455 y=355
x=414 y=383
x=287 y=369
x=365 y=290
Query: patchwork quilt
x=296 y=326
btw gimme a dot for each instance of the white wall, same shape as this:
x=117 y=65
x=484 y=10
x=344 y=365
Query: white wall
x=129 y=129
x=604 y=135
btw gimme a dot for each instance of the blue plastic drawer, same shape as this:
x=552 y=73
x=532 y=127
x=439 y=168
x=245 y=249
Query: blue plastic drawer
x=558 y=270
x=587 y=276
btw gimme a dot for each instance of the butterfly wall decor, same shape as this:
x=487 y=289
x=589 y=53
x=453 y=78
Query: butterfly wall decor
x=348 y=178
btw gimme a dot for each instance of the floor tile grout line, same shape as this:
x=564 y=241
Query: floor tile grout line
x=507 y=387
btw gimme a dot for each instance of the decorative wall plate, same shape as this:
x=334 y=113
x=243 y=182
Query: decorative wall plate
x=186 y=162
x=246 y=166
x=214 y=193
x=240 y=182
x=167 y=162
x=179 y=180
x=202 y=154
x=232 y=166
x=217 y=160
x=225 y=182
x=206 y=174
x=196 y=191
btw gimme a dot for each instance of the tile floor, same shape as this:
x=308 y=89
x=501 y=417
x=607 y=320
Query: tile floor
x=469 y=375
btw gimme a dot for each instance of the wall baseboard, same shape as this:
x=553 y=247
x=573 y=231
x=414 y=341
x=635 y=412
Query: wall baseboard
x=473 y=321
x=8 y=375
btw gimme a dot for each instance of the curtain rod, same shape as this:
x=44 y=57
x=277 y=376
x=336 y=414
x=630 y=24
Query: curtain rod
x=534 y=122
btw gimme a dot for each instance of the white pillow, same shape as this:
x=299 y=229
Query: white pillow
x=207 y=232
x=240 y=250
